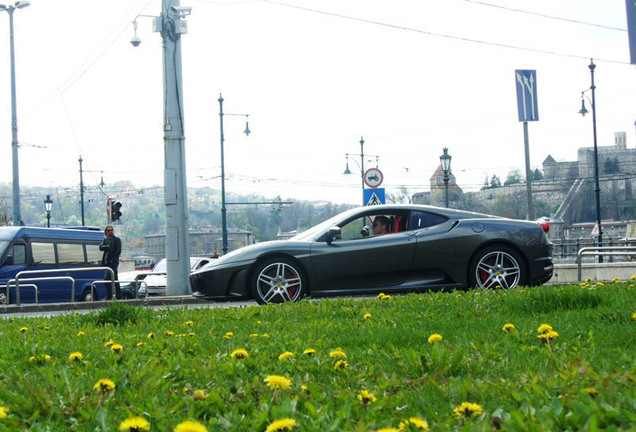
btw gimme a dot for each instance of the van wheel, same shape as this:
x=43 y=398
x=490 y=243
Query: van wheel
x=88 y=296
x=3 y=296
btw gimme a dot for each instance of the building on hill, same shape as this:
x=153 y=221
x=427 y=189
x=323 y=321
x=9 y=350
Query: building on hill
x=437 y=184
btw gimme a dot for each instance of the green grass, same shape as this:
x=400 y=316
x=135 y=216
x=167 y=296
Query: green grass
x=584 y=379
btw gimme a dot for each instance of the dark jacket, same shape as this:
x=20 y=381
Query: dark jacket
x=112 y=249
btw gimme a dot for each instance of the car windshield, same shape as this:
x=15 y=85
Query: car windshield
x=314 y=232
x=162 y=266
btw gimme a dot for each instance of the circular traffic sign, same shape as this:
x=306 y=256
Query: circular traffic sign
x=373 y=177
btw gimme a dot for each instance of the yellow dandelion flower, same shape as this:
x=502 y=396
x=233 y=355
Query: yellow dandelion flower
x=75 y=356
x=549 y=336
x=277 y=382
x=367 y=316
x=254 y=335
x=633 y=277
x=81 y=333
x=589 y=280
x=282 y=425
x=309 y=352
x=187 y=390
x=388 y=430
x=109 y=344
x=191 y=334
x=286 y=355
x=616 y=280
x=104 y=385
x=23 y=329
x=4 y=412
x=341 y=364
x=634 y=315
x=239 y=354
x=434 y=338
x=33 y=359
x=600 y=284
x=189 y=323
x=508 y=327
x=47 y=328
x=134 y=424
x=305 y=389
x=139 y=344
x=265 y=335
x=591 y=391
x=169 y=333
x=200 y=395
x=414 y=423
x=228 y=335
x=467 y=409
x=47 y=357
x=458 y=296
x=338 y=352
x=190 y=426
x=117 y=348
x=366 y=398
x=151 y=335
x=544 y=328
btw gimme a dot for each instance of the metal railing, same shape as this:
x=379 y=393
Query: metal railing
x=10 y=285
x=23 y=273
x=136 y=282
x=602 y=251
x=566 y=249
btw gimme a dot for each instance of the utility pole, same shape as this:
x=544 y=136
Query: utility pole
x=82 y=190
x=173 y=25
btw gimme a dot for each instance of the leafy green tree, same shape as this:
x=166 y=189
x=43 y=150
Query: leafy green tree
x=537 y=175
x=513 y=177
x=495 y=182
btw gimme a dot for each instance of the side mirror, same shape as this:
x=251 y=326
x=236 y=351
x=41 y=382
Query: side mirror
x=334 y=233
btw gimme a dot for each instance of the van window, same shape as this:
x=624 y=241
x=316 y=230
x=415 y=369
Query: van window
x=19 y=254
x=93 y=255
x=70 y=253
x=43 y=253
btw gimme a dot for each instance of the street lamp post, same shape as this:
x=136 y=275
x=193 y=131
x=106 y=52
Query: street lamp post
x=597 y=188
x=223 y=204
x=17 y=217
x=361 y=165
x=445 y=160
x=48 y=206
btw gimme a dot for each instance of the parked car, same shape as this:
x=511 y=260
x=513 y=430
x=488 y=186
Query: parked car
x=156 y=279
x=426 y=248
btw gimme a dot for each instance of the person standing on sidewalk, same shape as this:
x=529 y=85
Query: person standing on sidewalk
x=111 y=245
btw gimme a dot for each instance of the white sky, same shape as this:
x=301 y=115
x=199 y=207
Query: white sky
x=410 y=76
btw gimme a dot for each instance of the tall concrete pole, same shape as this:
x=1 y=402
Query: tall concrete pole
x=175 y=191
x=17 y=216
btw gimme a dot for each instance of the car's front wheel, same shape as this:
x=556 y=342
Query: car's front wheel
x=278 y=280
x=497 y=267
x=89 y=295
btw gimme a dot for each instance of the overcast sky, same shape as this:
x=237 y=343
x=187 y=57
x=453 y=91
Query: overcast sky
x=410 y=76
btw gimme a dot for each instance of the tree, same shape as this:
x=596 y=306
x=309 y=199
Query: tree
x=495 y=182
x=537 y=175
x=610 y=166
x=403 y=196
x=513 y=177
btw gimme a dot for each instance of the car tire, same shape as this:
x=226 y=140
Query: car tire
x=3 y=296
x=88 y=295
x=278 y=280
x=497 y=267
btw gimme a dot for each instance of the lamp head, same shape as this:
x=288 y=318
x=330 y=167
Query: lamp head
x=583 y=110
x=247 y=130
x=135 y=41
x=22 y=4
x=445 y=160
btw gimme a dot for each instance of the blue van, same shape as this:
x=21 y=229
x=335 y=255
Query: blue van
x=33 y=248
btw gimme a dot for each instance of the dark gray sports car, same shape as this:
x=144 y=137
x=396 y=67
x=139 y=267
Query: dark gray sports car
x=425 y=248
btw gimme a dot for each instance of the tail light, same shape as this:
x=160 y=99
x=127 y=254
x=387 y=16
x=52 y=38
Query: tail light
x=545 y=225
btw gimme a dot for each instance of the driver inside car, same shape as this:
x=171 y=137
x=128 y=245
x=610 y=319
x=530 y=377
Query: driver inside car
x=380 y=225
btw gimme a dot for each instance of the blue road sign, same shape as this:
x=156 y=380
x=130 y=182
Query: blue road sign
x=526 y=81
x=374 y=196
x=631 y=28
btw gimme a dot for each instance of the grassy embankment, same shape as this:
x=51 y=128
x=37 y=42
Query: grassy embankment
x=333 y=365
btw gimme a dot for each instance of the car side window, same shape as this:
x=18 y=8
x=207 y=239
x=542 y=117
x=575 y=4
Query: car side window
x=43 y=253
x=420 y=219
x=19 y=254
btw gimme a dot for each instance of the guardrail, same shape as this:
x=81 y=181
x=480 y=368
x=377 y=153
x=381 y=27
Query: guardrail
x=602 y=251
x=16 y=281
x=141 y=282
x=8 y=285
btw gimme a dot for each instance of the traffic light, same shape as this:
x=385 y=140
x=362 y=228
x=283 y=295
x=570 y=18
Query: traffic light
x=115 y=214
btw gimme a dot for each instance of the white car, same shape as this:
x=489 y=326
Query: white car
x=156 y=279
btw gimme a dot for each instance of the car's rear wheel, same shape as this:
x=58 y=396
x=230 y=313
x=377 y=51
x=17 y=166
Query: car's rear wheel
x=278 y=280
x=3 y=296
x=497 y=267
x=89 y=295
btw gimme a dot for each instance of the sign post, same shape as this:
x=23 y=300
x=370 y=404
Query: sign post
x=528 y=110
